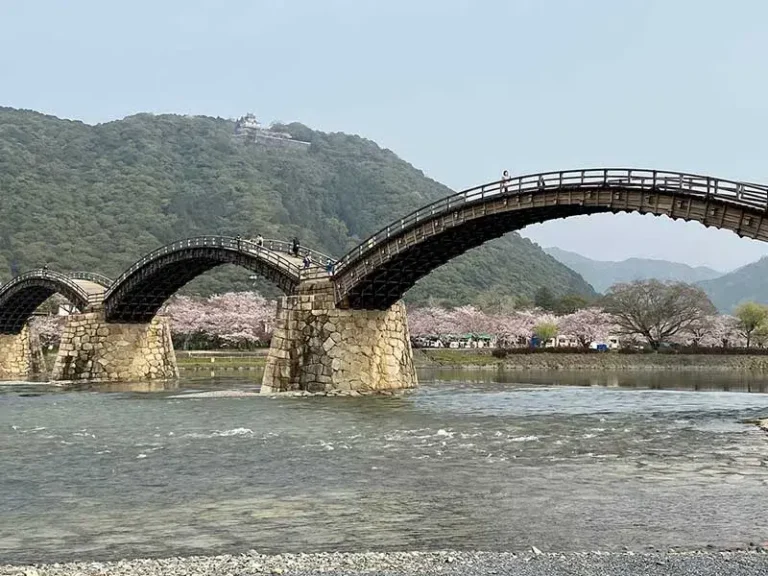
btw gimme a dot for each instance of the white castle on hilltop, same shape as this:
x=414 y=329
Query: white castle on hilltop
x=249 y=129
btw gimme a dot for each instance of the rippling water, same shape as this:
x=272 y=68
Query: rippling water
x=472 y=460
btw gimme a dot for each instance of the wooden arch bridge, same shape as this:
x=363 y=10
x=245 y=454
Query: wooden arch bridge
x=343 y=329
x=377 y=273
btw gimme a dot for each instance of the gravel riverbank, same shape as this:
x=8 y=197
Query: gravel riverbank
x=446 y=563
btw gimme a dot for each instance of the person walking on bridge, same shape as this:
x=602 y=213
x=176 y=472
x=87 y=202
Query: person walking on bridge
x=259 y=241
x=295 y=246
x=307 y=261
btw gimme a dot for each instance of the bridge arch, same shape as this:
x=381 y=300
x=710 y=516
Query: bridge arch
x=140 y=291
x=21 y=296
x=382 y=268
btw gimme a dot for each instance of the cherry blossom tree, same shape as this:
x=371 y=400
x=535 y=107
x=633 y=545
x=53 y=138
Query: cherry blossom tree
x=469 y=319
x=515 y=328
x=587 y=325
x=432 y=321
x=724 y=332
x=48 y=329
x=234 y=319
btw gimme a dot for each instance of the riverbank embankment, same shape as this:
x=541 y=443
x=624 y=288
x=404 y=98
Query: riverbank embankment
x=219 y=360
x=222 y=359
x=534 y=563
x=607 y=361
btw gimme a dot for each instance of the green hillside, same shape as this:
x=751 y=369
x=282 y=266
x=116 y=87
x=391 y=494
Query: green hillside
x=96 y=198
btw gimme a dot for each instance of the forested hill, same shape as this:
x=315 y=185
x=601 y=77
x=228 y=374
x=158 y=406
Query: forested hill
x=96 y=198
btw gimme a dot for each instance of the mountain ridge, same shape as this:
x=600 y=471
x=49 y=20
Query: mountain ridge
x=602 y=274
x=746 y=283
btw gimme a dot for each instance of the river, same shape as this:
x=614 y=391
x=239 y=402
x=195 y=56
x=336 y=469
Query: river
x=471 y=460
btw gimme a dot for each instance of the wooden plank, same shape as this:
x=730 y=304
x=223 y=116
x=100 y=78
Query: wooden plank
x=741 y=220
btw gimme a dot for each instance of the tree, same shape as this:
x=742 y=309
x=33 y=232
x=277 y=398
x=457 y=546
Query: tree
x=430 y=321
x=48 y=329
x=750 y=316
x=473 y=321
x=587 y=325
x=494 y=303
x=655 y=310
x=544 y=299
x=234 y=319
x=515 y=328
x=760 y=335
x=545 y=330
x=724 y=332
x=699 y=330
x=570 y=303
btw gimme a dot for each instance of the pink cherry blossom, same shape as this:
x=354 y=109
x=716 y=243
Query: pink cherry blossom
x=587 y=326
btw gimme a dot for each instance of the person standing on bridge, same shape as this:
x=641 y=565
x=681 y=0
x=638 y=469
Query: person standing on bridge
x=329 y=266
x=505 y=178
x=259 y=241
x=307 y=260
x=295 y=246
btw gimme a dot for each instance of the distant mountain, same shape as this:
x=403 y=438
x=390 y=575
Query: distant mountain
x=603 y=274
x=749 y=282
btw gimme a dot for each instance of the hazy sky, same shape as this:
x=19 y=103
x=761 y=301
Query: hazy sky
x=461 y=89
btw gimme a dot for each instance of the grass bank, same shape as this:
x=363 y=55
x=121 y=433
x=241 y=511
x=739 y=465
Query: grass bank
x=483 y=359
x=221 y=359
x=610 y=361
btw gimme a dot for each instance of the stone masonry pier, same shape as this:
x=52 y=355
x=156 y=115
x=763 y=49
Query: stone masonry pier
x=93 y=350
x=318 y=347
x=20 y=355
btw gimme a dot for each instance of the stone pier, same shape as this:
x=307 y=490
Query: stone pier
x=317 y=347
x=93 y=350
x=21 y=356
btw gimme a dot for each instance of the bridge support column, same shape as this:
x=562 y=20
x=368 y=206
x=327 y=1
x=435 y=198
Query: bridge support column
x=93 y=350
x=21 y=356
x=317 y=347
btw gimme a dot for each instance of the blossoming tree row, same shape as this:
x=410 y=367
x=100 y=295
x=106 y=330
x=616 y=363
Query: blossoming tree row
x=583 y=327
x=648 y=312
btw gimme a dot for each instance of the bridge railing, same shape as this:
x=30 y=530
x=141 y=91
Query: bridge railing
x=317 y=269
x=317 y=257
x=94 y=277
x=741 y=193
x=54 y=276
x=235 y=244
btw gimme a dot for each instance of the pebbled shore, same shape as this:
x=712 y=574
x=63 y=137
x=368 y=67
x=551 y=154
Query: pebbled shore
x=446 y=563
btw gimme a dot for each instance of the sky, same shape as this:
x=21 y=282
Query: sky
x=460 y=89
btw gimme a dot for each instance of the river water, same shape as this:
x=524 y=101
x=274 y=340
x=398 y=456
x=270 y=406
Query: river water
x=471 y=460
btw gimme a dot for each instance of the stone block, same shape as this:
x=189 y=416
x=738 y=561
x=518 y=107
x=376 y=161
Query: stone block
x=328 y=344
